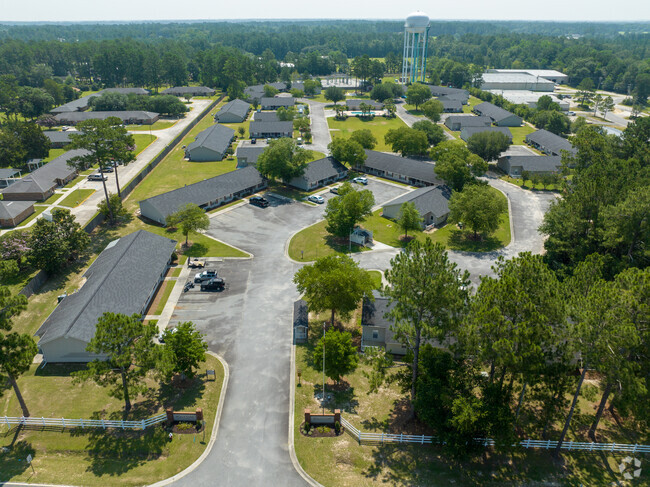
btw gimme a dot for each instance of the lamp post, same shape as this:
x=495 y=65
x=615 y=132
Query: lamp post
x=323 y=398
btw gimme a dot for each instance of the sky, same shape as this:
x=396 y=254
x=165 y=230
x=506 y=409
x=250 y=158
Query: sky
x=133 y=10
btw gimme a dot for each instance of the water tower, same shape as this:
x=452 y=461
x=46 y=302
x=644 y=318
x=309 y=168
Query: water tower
x=416 y=40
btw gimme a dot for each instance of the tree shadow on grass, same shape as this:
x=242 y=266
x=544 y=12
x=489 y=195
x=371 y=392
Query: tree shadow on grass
x=463 y=241
x=13 y=460
x=341 y=245
x=196 y=250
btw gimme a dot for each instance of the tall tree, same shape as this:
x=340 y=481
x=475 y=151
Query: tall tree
x=409 y=217
x=407 y=141
x=347 y=151
x=335 y=283
x=334 y=94
x=183 y=351
x=348 y=209
x=283 y=160
x=478 y=207
x=435 y=134
x=432 y=109
x=417 y=94
x=106 y=142
x=127 y=343
x=488 y=145
x=365 y=138
x=429 y=294
x=456 y=165
x=341 y=356
x=189 y=218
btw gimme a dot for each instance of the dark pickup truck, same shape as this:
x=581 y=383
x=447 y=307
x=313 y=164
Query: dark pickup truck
x=214 y=284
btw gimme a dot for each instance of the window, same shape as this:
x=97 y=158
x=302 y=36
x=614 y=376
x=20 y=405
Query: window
x=375 y=334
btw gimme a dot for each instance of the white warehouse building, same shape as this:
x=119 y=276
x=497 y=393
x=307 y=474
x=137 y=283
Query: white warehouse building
x=515 y=81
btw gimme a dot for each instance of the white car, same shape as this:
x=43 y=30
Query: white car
x=360 y=180
x=316 y=199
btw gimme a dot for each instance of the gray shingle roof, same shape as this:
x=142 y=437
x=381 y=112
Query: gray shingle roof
x=494 y=112
x=250 y=152
x=83 y=102
x=56 y=136
x=434 y=199
x=420 y=170
x=194 y=90
x=44 y=178
x=373 y=314
x=125 y=91
x=467 y=132
x=446 y=91
x=266 y=117
x=270 y=127
x=550 y=141
x=468 y=121
x=451 y=104
x=123 y=115
x=320 y=169
x=278 y=101
x=216 y=137
x=11 y=209
x=536 y=163
x=236 y=107
x=121 y=279
x=354 y=104
x=205 y=191
x=8 y=172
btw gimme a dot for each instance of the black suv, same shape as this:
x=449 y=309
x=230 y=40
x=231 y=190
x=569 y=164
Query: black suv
x=214 y=284
x=259 y=201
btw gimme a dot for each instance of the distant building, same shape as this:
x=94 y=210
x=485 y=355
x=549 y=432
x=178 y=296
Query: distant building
x=235 y=111
x=83 y=103
x=467 y=132
x=58 y=139
x=401 y=169
x=449 y=93
x=549 y=143
x=277 y=102
x=189 y=90
x=135 y=117
x=548 y=74
x=515 y=165
x=499 y=116
x=270 y=130
x=356 y=104
x=459 y=122
x=432 y=203
x=247 y=154
x=124 y=278
x=515 y=81
x=211 y=144
x=320 y=173
x=12 y=213
x=266 y=117
x=451 y=106
x=529 y=98
x=8 y=176
x=207 y=194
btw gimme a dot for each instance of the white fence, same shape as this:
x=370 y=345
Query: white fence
x=545 y=444
x=83 y=423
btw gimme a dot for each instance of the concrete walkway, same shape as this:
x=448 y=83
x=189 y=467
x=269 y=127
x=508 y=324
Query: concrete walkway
x=168 y=310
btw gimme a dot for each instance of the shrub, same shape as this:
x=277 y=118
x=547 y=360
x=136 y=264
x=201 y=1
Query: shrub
x=185 y=426
x=337 y=427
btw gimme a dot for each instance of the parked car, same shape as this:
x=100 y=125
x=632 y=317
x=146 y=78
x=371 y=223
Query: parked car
x=571 y=113
x=253 y=141
x=259 y=201
x=168 y=331
x=214 y=284
x=334 y=189
x=360 y=180
x=196 y=264
x=205 y=275
x=97 y=177
x=108 y=169
x=316 y=199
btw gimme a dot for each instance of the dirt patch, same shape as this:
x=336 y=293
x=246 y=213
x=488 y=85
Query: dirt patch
x=401 y=420
x=159 y=295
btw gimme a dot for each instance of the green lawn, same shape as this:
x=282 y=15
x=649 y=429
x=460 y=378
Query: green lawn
x=412 y=110
x=529 y=184
x=315 y=242
x=164 y=296
x=519 y=134
x=379 y=126
x=37 y=211
x=51 y=199
x=74 y=182
x=94 y=456
x=77 y=197
x=376 y=278
x=235 y=127
x=142 y=141
x=54 y=153
x=472 y=102
x=159 y=125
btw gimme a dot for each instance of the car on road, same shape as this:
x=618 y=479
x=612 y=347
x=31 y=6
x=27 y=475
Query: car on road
x=314 y=198
x=259 y=201
x=571 y=113
x=205 y=275
x=214 y=284
x=360 y=180
x=334 y=189
x=196 y=264
x=97 y=177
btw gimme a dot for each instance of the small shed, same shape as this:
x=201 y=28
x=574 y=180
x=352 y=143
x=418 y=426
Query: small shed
x=361 y=236
x=300 y=321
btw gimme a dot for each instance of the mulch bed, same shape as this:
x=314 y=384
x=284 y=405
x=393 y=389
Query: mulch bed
x=330 y=432
x=177 y=429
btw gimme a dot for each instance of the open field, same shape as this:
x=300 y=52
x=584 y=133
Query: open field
x=471 y=103
x=519 y=134
x=94 y=456
x=379 y=126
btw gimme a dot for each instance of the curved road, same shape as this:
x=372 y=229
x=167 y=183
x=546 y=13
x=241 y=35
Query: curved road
x=249 y=325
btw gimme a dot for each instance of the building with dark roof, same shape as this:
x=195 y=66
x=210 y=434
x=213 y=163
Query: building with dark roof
x=401 y=169
x=189 y=90
x=211 y=144
x=467 y=132
x=270 y=130
x=499 y=116
x=135 y=117
x=450 y=93
x=266 y=117
x=83 y=103
x=451 y=106
x=376 y=326
x=459 y=122
x=124 y=278
x=277 y=102
x=356 y=104
x=207 y=194
x=432 y=203
x=549 y=143
x=9 y=176
x=248 y=154
x=235 y=111
x=300 y=321
x=58 y=139
x=516 y=165
x=14 y=212
x=40 y=184
x=320 y=173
